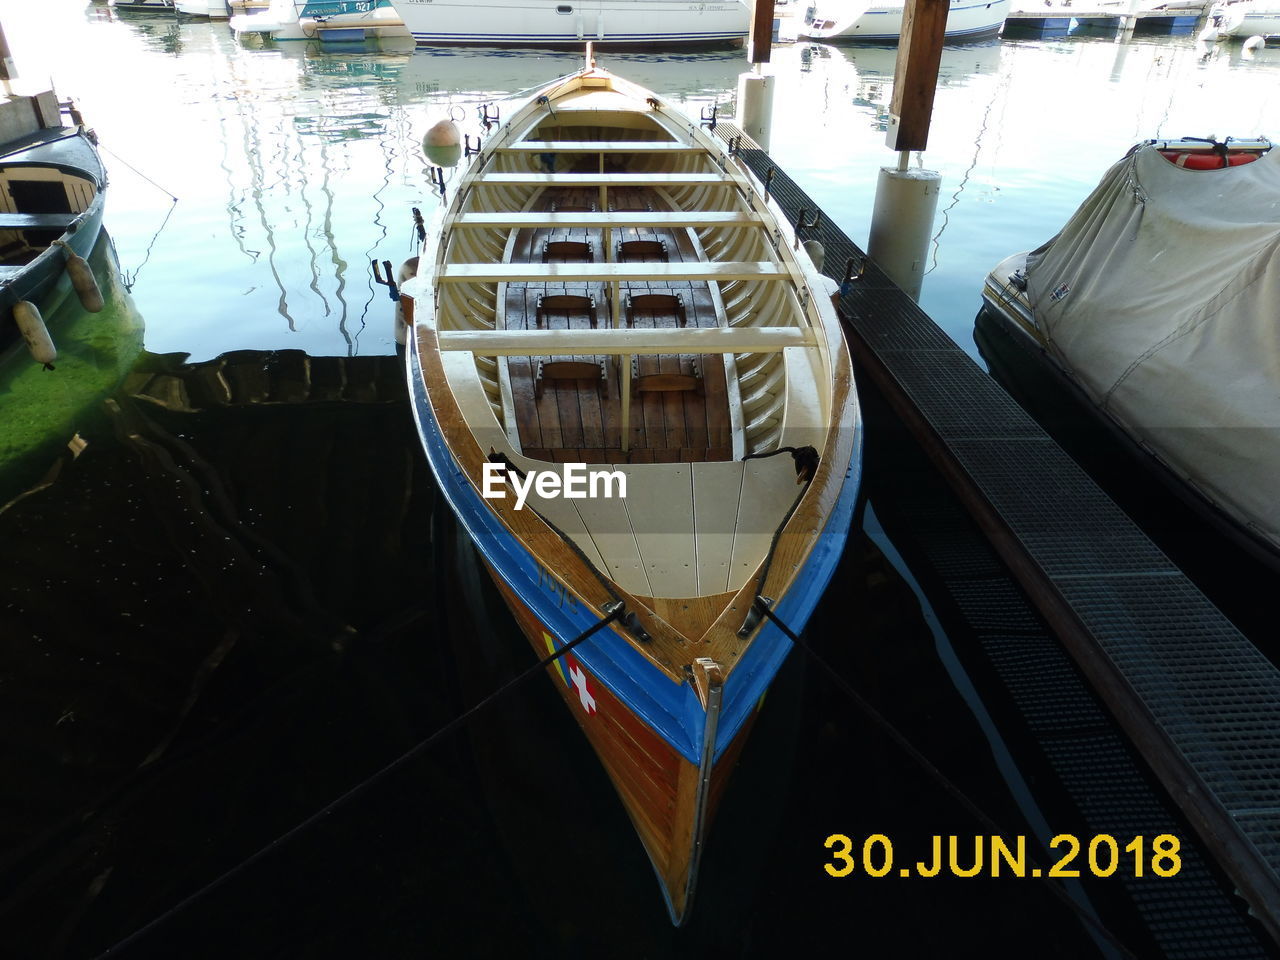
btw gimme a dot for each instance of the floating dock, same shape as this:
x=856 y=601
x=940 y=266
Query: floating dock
x=1198 y=700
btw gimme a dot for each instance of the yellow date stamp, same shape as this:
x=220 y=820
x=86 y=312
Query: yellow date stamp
x=1101 y=855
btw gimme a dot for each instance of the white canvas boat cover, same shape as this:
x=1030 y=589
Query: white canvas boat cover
x=1161 y=297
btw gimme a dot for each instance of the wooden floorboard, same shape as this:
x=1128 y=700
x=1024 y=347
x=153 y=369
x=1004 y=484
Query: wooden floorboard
x=581 y=420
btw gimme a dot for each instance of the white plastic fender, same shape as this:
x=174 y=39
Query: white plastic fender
x=82 y=280
x=443 y=144
x=31 y=325
x=1253 y=43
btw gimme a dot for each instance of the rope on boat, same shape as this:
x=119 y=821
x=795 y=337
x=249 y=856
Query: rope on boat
x=613 y=611
x=806 y=460
x=138 y=172
x=764 y=605
x=630 y=620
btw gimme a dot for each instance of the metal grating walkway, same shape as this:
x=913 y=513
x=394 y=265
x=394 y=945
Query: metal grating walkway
x=1196 y=697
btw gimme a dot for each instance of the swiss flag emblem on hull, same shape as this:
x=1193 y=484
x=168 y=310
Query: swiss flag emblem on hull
x=573 y=676
x=579 y=680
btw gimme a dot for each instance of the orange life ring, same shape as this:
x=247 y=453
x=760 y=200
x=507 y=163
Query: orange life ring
x=1207 y=161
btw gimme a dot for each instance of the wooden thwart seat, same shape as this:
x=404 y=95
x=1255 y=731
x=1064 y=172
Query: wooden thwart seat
x=602 y=146
x=564 y=216
x=37 y=221
x=565 y=303
x=570 y=368
x=661 y=382
x=575 y=250
x=624 y=341
x=668 y=304
x=606 y=179
x=720 y=271
x=642 y=250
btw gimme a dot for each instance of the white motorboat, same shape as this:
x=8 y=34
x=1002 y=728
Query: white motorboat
x=323 y=20
x=539 y=23
x=1157 y=304
x=881 y=22
x=1247 y=18
x=213 y=9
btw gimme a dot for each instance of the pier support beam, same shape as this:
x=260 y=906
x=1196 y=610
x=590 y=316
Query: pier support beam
x=755 y=106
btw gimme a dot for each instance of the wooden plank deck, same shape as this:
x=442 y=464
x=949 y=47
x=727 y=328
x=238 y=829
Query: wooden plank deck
x=581 y=420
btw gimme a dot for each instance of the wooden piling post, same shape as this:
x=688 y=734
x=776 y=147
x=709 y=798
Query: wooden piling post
x=924 y=24
x=760 y=43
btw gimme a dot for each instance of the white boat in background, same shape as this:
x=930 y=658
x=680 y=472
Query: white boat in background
x=1156 y=303
x=323 y=20
x=213 y=9
x=1248 y=18
x=540 y=23
x=143 y=6
x=881 y=22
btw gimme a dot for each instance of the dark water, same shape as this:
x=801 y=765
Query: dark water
x=243 y=597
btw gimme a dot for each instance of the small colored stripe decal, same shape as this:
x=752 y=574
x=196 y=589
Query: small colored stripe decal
x=551 y=649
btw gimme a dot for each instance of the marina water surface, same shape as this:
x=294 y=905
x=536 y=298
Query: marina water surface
x=237 y=596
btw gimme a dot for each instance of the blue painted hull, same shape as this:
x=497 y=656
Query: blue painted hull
x=674 y=712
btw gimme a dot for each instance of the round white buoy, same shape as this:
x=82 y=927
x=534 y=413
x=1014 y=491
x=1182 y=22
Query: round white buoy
x=1253 y=43
x=82 y=280
x=31 y=325
x=443 y=144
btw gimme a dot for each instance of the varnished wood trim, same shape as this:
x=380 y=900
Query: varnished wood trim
x=617 y=219
x=626 y=341
x=611 y=271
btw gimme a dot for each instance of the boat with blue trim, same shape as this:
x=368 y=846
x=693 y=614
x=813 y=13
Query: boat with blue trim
x=633 y=388
x=52 y=190
x=629 y=23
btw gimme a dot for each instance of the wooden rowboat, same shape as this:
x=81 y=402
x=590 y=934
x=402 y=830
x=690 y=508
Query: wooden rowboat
x=53 y=186
x=608 y=286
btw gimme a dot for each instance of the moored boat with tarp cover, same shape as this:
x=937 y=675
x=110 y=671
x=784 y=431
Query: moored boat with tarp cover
x=1158 y=302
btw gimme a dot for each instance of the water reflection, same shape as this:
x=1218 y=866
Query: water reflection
x=45 y=410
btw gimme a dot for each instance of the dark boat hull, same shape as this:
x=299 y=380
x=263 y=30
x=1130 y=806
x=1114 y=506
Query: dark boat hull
x=69 y=151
